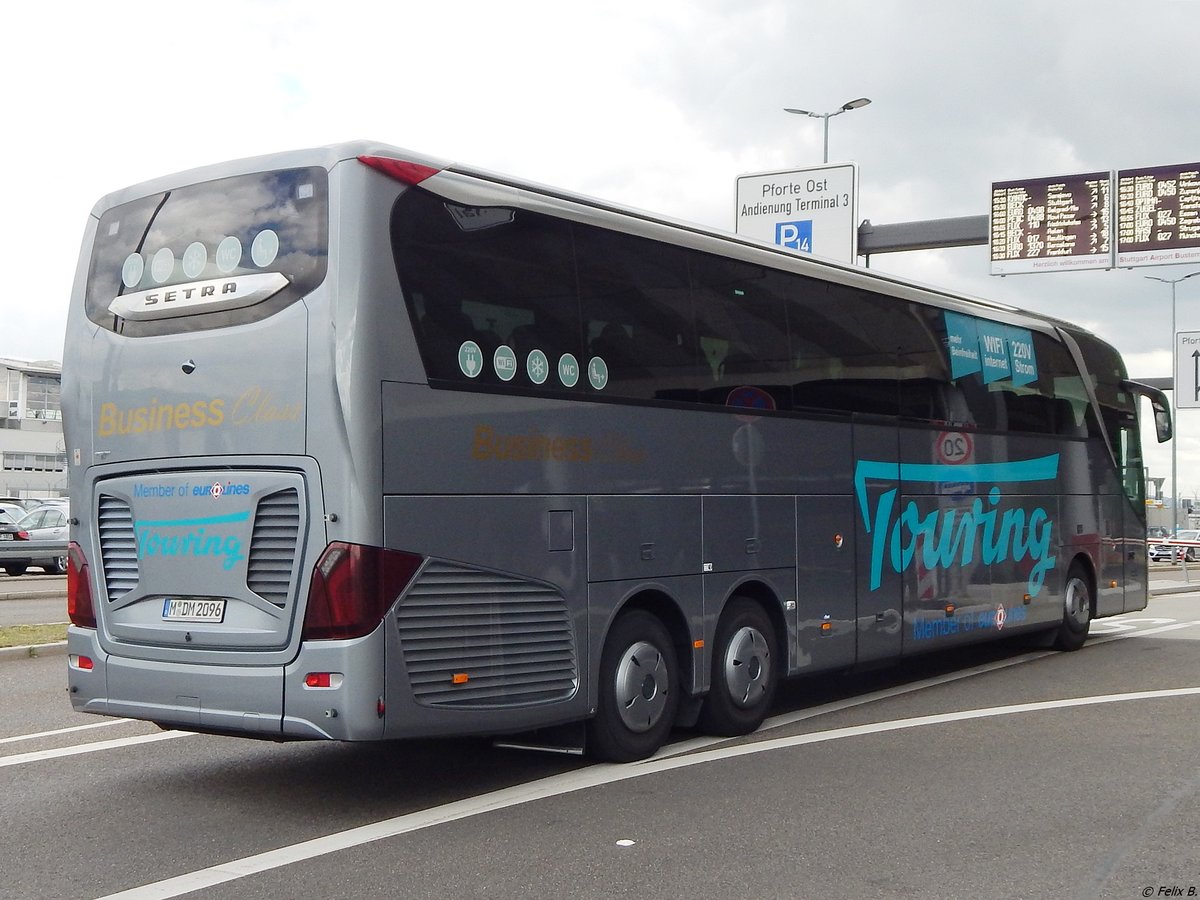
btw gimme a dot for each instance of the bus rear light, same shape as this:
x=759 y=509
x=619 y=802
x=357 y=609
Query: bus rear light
x=80 y=610
x=353 y=586
x=323 y=680
x=81 y=662
x=402 y=171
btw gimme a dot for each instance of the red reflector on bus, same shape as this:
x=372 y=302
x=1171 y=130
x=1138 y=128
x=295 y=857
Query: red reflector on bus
x=82 y=662
x=79 y=590
x=353 y=587
x=317 y=679
x=406 y=172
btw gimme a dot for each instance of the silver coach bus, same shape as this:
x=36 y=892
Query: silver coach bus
x=367 y=446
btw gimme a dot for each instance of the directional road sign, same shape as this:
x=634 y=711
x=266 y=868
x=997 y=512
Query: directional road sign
x=1187 y=370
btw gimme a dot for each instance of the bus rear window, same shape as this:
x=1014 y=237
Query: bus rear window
x=210 y=255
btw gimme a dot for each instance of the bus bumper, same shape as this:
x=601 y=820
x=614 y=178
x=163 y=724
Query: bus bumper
x=275 y=702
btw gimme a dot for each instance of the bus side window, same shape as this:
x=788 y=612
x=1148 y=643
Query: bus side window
x=637 y=314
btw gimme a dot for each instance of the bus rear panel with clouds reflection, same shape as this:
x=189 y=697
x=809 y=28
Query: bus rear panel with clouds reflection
x=366 y=446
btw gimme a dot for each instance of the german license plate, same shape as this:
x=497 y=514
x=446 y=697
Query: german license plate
x=5 y=536
x=192 y=609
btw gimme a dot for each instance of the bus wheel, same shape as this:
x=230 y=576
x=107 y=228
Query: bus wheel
x=744 y=671
x=638 y=690
x=1077 y=611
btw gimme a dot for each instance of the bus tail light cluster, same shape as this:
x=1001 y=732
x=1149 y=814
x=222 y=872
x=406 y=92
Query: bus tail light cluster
x=352 y=588
x=79 y=589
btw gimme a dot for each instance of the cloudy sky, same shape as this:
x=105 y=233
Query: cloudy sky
x=659 y=104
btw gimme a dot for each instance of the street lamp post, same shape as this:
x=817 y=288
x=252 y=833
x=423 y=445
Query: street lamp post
x=845 y=107
x=1175 y=404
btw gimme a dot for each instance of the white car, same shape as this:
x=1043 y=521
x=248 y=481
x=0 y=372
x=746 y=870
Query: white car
x=1185 y=545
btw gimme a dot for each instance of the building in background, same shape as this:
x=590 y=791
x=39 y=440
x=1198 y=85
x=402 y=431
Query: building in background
x=33 y=459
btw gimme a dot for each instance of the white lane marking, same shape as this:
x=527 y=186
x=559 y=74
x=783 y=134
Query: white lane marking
x=811 y=712
x=569 y=782
x=58 y=731
x=42 y=755
x=1130 y=631
x=1125 y=631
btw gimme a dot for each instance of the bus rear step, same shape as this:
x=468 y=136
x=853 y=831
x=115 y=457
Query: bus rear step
x=568 y=739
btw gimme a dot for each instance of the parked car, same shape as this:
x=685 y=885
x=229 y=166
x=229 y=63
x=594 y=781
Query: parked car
x=1185 y=545
x=38 y=539
x=13 y=509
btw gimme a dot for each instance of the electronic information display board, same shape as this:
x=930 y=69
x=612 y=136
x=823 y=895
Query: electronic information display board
x=1158 y=215
x=1051 y=224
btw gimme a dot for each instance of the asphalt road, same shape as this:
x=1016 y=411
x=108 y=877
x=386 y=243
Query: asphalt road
x=33 y=599
x=999 y=771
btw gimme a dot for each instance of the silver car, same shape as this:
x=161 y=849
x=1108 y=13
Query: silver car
x=38 y=539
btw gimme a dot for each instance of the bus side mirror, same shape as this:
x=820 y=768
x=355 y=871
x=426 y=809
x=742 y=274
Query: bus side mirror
x=1162 y=423
x=1158 y=402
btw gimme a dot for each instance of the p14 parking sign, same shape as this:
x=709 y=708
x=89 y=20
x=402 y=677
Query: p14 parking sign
x=811 y=210
x=795 y=235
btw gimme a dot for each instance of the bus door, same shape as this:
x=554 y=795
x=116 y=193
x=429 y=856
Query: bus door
x=1132 y=539
x=877 y=497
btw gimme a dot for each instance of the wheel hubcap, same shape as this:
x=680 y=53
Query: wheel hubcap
x=1078 y=604
x=642 y=683
x=747 y=666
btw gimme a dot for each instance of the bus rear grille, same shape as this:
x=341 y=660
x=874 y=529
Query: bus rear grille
x=273 y=546
x=511 y=639
x=118 y=546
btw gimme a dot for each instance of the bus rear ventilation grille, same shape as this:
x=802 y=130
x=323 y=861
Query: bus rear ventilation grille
x=118 y=546
x=271 y=564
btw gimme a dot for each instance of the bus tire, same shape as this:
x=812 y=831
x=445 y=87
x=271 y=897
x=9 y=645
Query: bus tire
x=1077 y=610
x=744 y=671
x=639 y=690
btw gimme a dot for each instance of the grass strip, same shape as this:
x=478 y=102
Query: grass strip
x=20 y=635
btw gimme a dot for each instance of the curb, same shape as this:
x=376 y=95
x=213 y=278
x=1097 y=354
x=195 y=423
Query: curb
x=1174 y=589
x=34 y=651
x=32 y=595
